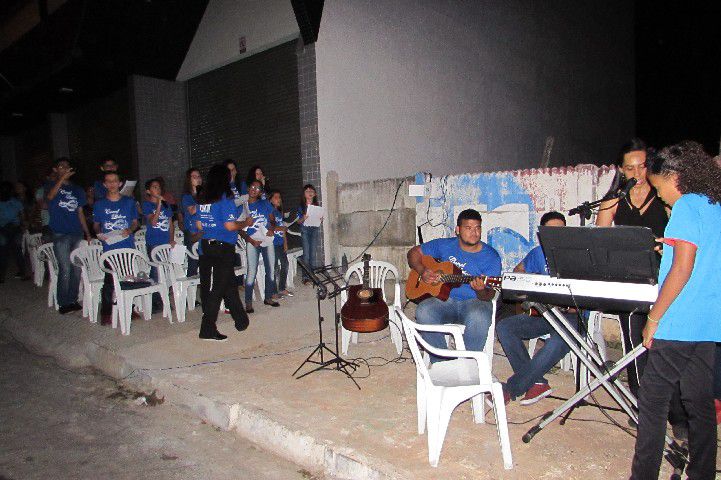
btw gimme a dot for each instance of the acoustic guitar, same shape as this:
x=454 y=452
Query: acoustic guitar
x=451 y=277
x=365 y=311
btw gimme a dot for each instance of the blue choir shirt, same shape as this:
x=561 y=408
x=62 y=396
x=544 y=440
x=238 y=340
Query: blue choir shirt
x=486 y=262
x=115 y=215
x=10 y=212
x=260 y=210
x=99 y=190
x=158 y=234
x=189 y=219
x=278 y=240
x=690 y=317
x=213 y=216
x=63 y=209
x=535 y=262
x=236 y=192
x=243 y=188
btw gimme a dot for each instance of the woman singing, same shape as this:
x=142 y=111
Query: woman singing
x=309 y=235
x=216 y=214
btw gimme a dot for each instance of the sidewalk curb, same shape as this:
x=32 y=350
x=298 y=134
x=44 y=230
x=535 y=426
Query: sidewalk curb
x=247 y=421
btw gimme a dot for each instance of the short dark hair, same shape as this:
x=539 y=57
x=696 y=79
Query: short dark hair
x=149 y=183
x=468 y=214
x=105 y=174
x=552 y=215
x=62 y=159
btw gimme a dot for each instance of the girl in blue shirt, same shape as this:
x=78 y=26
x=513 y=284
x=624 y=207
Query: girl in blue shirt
x=682 y=326
x=256 y=173
x=280 y=242
x=216 y=218
x=159 y=227
x=189 y=209
x=309 y=235
x=235 y=182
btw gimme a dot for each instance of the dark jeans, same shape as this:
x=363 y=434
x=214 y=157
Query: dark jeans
x=106 y=296
x=512 y=331
x=192 y=263
x=216 y=269
x=157 y=301
x=10 y=238
x=68 y=274
x=309 y=237
x=672 y=366
x=281 y=257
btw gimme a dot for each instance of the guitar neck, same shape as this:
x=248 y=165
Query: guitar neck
x=489 y=281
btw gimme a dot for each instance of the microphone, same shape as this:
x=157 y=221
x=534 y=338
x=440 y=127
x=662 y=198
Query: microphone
x=630 y=183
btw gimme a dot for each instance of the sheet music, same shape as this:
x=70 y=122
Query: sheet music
x=114 y=237
x=261 y=234
x=315 y=215
x=128 y=188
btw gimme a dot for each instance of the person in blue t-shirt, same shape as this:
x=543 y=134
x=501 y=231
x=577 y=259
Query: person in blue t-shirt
x=262 y=216
x=468 y=304
x=160 y=229
x=256 y=173
x=235 y=181
x=189 y=209
x=681 y=327
x=216 y=218
x=67 y=221
x=528 y=373
x=11 y=210
x=115 y=218
x=280 y=242
x=99 y=190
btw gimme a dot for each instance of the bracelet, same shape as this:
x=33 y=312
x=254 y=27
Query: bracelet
x=648 y=317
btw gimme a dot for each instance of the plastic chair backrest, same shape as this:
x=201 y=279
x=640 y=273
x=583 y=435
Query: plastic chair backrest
x=413 y=338
x=47 y=253
x=378 y=272
x=88 y=257
x=161 y=255
x=193 y=253
x=124 y=262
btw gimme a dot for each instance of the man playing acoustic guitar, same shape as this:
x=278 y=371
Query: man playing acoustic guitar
x=469 y=303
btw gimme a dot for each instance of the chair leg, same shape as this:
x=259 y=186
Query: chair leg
x=179 y=295
x=478 y=405
x=439 y=414
x=165 y=297
x=421 y=403
x=147 y=306
x=126 y=313
x=396 y=336
x=499 y=408
x=192 y=294
x=344 y=340
x=354 y=337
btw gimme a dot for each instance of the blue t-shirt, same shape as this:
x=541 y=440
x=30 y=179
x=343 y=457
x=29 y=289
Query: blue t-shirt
x=486 y=262
x=117 y=215
x=691 y=316
x=535 y=262
x=158 y=234
x=278 y=240
x=10 y=212
x=63 y=209
x=243 y=188
x=260 y=211
x=99 y=190
x=236 y=192
x=189 y=219
x=212 y=217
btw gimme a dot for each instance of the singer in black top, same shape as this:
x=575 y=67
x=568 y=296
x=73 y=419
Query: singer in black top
x=643 y=208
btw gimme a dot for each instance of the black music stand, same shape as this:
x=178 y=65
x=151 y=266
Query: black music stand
x=329 y=283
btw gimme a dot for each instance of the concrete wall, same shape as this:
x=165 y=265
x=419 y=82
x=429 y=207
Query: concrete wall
x=451 y=87
x=264 y=23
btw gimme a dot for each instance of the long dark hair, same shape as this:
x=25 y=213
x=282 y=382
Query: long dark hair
x=188 y=184
x=236 y=178
x=216 y=185
x=270 y=195
x=303 y=206
x=619 y=179
x=250 y=177
x=697 y=171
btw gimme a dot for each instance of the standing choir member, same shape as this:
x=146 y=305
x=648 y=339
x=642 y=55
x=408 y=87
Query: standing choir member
x=216 y=218
x=308 y=234
x=280 y=243
x=189 y=204
x=261 y=216
x=160 y=229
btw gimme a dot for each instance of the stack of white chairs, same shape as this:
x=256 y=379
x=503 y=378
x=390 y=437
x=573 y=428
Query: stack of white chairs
x=87 y=257
x=46 y=256
x=174 y=275
x=377 y=275
x=464 y=375
x=128 y=263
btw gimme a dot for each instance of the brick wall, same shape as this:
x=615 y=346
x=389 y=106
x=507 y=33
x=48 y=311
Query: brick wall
x=159 y=130
x=248 y=111
x=33 y=154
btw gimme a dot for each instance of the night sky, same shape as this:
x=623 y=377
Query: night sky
x=678 y=72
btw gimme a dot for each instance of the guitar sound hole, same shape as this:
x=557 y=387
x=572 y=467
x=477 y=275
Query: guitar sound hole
x=364 y=294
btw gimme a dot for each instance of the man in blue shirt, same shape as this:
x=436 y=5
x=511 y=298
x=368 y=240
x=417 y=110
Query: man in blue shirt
x=67 y=222
x=527 y=378
x=115 y=219
x=468 y=304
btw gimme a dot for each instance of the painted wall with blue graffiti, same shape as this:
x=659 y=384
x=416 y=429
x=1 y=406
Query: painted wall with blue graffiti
x=511 y=203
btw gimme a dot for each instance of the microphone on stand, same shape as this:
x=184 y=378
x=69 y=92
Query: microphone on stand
x=623 y=193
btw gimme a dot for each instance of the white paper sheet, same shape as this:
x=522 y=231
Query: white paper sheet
x=177 y=254
x=261 y=234
x=114 y=237
x=315 y=215
x=128 y=188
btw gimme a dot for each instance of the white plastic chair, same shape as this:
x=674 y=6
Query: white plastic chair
x=124 y=263
x=445 y=385
x=174 y=276
x=46 y=255
x=33 y=243
x=87 y=257
x=179 y=236
x=377 y=275
x=293 y=255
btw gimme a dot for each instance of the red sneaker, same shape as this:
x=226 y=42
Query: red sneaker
x=535 y=393
x=717 y=404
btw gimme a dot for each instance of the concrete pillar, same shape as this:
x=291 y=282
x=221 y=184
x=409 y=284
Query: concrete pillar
x=159 y=130
x=59 y=135
x=8 y=164
x=331 y=207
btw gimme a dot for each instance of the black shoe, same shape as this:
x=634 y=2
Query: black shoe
x=272 y=303
x=240 y=326
x=71 y=307
x=217 y=337
x=249 y=308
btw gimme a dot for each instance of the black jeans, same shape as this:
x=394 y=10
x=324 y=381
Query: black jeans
x=10 y=238
x=281 y=257
x=106 y=295
x=216 y=269
x=672 y=366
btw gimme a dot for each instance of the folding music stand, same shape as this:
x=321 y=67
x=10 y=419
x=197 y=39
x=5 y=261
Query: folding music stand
x=329 y=283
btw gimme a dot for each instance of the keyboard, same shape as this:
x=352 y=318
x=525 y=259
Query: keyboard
x=588 y=294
